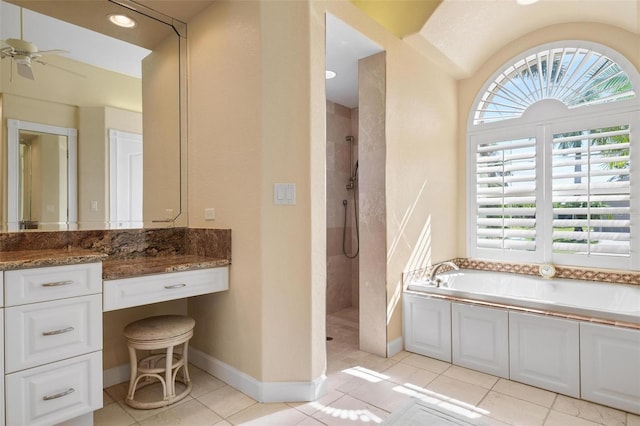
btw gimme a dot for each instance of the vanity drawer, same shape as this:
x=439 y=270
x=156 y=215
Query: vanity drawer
x=55 y=392
x=127 y=292
x=44 y=332
x=55 y=282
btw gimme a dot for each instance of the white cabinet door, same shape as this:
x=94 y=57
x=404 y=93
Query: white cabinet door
x=1 y=365
x=544 y=352
x=480 y=339
x=49 y=331
x=54 y=282
x=55 y=392
x=427 y=326
x=610 y=366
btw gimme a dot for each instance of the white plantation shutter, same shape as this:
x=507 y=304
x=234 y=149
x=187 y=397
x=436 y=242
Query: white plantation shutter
x=591 y=191
x=505 y=187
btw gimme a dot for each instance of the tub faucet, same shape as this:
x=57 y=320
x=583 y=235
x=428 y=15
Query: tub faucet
x=435 y=268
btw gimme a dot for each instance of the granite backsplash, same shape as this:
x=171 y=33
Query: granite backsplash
x=127 y=243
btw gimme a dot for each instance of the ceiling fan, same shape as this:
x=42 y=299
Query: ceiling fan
x=24 y=54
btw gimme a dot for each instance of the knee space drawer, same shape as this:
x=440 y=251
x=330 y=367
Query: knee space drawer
x=127 y=292
x=50 y=283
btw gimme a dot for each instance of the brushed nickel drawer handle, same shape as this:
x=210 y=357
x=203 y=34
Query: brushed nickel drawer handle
x=57 y=283
x=168 y=287
x=60 y=331
x=58 y=395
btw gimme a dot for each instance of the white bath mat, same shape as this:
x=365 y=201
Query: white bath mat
x=422 y=413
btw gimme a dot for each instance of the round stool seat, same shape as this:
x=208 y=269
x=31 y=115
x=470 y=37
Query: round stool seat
x=162 y=327
x=159 y=335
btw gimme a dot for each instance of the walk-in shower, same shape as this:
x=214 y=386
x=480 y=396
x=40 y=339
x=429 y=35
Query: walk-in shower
x=353 y=186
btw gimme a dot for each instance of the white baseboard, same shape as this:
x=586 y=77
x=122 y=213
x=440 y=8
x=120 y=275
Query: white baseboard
x=260 y=391
x=394 y=347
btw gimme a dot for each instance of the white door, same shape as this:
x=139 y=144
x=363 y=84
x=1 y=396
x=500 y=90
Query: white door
x=125 y=179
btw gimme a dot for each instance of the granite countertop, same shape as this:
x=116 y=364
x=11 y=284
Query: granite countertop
x=39 y=258
x=145 y=265
x=112 y=268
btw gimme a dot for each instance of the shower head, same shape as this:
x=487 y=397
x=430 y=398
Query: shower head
x=350 y=139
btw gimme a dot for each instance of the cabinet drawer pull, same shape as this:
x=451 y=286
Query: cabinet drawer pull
x=57 y=283
x=168 y=287
x=60 y=331
x=58 y=395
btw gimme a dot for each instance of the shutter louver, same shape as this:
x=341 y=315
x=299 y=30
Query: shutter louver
x=591 y=192
x=506 y=195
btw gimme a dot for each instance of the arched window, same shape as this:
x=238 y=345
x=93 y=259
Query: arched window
x=550 y=145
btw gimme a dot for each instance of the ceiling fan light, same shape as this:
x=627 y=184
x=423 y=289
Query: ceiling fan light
x=122 y=20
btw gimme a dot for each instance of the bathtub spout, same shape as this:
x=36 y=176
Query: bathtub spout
x=435 y=268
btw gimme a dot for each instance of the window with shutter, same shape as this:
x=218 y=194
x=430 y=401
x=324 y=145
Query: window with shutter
x=553 y=183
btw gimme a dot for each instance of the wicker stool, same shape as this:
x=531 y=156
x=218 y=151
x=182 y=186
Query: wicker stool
x=153 y=334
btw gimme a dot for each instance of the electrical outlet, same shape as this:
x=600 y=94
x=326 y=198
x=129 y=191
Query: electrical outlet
x=210 y=214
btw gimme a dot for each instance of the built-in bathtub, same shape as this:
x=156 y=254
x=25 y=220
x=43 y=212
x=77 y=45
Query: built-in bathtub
x=578 y=338
x=606 y=301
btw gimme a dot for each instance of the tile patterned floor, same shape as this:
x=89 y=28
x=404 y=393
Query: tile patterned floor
x=365 y=389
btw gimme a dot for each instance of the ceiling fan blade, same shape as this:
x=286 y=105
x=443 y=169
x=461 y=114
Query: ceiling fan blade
x=77 y=74
x=51 y=52
x=24 y=70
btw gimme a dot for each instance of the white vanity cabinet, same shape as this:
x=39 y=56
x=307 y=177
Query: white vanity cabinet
x=610 y=366
x=480 y=339
x=430 y=330
x=53 y=350
x=545 y=352
x=2 y=410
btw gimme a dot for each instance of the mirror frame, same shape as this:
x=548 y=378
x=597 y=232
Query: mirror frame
x=13 y=160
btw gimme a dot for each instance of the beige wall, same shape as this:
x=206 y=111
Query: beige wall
x=620 y=40
x=255 y=121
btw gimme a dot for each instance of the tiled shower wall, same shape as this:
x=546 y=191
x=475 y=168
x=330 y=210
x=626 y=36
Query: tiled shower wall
x=342 y=273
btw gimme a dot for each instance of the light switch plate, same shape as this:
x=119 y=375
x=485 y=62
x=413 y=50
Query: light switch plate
x=284 y=193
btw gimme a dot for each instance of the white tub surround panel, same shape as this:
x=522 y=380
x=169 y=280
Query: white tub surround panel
x=427 y=326
x=545 y=352
x=480 y=339
x=610 y=365
x=1 y=350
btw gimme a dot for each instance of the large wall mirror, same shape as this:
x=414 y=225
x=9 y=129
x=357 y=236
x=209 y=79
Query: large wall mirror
x=88 y=87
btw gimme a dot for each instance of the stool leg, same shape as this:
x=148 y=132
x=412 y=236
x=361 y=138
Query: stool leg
x=171 y=387
x=185 y=371
x=133 y=360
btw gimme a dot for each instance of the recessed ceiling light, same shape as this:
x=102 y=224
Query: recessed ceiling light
x=329 y=74
x=526 y=2
x=122 y=20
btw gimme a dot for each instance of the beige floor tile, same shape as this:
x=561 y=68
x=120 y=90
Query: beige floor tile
x=471 y=376
x=106 y=399
x=191 y=413
x=451 y=388
x=528 y=393
x=402 y=373
x=140 y=415
x=310 y=421
x=400 y=355
x=118 y=392
x=386 y=395
x=112 y=415
x=633 y=420
x=203 y=382
x=589 y=411
x=350 y=411
x=267 y=414
x=425 y=363
x=226 y=401
x=512 y=410
x=309 y=408
x=556 y=418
